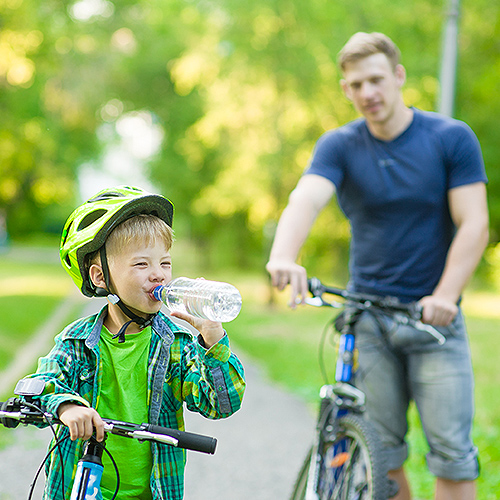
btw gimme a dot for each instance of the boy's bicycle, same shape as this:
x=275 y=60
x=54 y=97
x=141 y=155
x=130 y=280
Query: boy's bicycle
x=345 y=461
x=86 y=485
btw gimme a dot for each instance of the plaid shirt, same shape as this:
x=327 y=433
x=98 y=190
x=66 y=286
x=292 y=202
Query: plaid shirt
x=180 y=370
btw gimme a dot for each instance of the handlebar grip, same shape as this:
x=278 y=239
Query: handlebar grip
x=187 y=440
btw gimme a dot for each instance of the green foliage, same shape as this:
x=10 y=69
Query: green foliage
x=240 y=91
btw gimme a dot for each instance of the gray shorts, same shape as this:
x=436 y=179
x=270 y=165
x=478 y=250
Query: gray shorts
x=400 y=364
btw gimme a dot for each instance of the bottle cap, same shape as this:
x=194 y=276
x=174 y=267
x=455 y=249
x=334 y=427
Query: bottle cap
x=156 y=293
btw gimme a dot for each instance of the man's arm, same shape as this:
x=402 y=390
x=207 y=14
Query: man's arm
x=306 y=201
x=469 y=212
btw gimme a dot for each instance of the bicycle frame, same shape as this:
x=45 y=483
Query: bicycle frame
x=345 y=461
x=337 y=401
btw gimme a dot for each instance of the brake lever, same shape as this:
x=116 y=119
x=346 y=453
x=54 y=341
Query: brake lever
x=318 y=302
x=441 y=339
x=417 y=321
x=403 y=319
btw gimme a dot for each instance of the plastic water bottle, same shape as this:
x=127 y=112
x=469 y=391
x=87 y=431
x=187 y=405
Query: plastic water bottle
x=206 y=299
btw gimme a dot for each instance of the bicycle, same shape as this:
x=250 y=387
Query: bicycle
x=86 y=485
x=345 y=461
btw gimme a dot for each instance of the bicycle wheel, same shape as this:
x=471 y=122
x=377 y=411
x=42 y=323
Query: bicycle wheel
x=350 y=465
x=299 y=489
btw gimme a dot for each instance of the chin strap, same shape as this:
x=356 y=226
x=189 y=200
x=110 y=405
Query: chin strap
x=142 y=322
x=114 y=299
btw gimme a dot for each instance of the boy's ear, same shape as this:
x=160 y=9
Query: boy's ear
x=97 y=276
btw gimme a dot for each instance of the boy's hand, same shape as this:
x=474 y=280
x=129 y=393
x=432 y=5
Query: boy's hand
x=211 y=331
x=81 y=421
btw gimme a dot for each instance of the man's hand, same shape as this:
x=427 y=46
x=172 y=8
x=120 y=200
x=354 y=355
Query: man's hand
x=437 y=311
x=81 y=421
x=306 y=201
x=285 y=273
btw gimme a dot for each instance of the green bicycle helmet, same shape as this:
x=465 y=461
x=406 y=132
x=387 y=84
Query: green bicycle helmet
x=88 y=227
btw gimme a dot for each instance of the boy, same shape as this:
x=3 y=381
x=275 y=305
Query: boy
x=130 y=362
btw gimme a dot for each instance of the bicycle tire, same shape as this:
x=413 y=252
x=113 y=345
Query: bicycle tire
x=299 y=488
x=350 y=465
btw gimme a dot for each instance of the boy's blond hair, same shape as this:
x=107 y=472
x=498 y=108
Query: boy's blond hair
x=147 y=229
x=362 y=45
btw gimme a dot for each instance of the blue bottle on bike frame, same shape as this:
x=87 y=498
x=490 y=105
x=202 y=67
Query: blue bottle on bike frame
x=345 y=360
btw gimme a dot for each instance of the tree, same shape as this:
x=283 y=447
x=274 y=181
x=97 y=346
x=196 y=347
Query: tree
x=241 y=93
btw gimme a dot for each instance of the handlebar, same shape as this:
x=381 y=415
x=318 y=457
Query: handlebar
x=15 y=411
x=159 y=434
x=389 y=303
x=404 y=313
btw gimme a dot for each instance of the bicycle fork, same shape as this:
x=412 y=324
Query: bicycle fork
x=329 y=410
x=87 y=483
x=332 y=408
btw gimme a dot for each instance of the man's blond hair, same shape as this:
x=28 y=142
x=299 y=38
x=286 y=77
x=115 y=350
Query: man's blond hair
x=362 y=45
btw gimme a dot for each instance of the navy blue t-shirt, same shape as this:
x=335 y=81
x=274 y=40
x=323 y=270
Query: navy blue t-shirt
x=395 y=196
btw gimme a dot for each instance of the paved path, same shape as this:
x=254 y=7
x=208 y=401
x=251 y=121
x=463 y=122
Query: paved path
x=259 y=450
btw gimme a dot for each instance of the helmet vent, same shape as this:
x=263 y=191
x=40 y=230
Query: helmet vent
x=90 y=218
x=109 y=195
x=65 y=234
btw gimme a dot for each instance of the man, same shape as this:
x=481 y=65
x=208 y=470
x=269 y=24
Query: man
x=412 y=185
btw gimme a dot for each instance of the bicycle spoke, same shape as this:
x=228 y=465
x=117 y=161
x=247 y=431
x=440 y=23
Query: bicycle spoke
x=346 y=471
x=343 y=484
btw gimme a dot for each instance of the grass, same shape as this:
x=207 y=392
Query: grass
x=29 y=291
x=32 y=283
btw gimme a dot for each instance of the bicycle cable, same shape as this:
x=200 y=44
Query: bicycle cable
x=57 y=444
x=47 y=456
x=321 y=352
x=116 y=470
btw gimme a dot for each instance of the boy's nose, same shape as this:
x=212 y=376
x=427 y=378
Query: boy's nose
x=157 y=274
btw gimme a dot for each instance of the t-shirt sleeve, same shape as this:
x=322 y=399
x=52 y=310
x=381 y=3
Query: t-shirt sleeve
x=326 y=159
x=464 y=157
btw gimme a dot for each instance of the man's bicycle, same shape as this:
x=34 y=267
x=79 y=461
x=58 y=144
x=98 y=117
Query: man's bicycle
x=345 y=461
x=86 y=486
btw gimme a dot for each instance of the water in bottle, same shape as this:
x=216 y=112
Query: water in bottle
x=211 y=300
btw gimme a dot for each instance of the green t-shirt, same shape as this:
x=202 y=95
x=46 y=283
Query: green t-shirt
x=124 y=396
